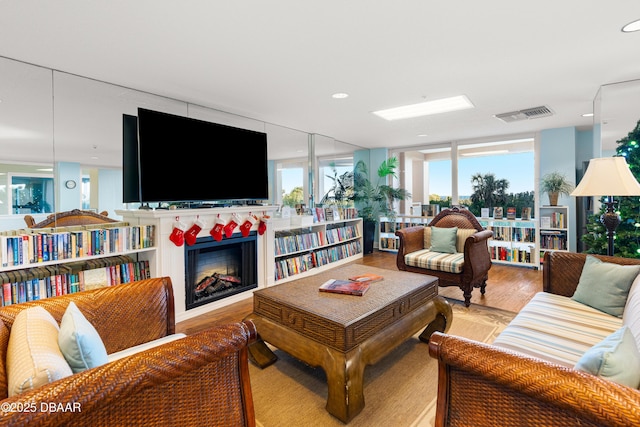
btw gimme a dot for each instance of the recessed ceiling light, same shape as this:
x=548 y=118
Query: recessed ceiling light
x=587 y=115
x=436 y=106
x=340 y=95
x=422 y=135
x=631 y=26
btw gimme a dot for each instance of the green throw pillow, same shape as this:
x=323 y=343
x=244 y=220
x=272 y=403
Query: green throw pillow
x=79 y=341
x=443 y=239
x=615 y=358
x=604 y=285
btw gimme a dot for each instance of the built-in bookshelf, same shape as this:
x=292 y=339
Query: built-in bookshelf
x=554 y=232
x=387 y=240
x=307 y=250
x=41 y=263
x=31 y=247
x=513 y=242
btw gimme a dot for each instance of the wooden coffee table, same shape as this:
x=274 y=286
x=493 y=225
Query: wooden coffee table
x=345 y=333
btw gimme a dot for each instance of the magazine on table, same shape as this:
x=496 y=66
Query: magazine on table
x=366 y=277
x=347 y=287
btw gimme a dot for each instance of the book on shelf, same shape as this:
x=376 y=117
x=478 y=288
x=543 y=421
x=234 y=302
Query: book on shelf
x=366 y=277
x=511 y=213
x=484 y=212
x=545 y=222
x=347 y=287
x=497 y=213
x=526 y=214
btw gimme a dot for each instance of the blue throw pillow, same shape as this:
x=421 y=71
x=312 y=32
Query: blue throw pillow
x=604 y=285
x=443 y=239
x=79 y=341
x=615 y=358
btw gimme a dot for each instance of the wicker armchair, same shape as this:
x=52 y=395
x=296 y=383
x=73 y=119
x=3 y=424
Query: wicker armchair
x=197 y=380
x=477 y=260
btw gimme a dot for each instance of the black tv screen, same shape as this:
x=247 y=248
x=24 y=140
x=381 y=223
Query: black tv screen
x=182 y=159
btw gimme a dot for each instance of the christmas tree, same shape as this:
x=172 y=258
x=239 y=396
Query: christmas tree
x=627 y=237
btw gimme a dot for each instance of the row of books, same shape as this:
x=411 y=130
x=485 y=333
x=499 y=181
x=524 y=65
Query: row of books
x=66 y=281
x=37 y=246
x=298 y=242
x=391 y=227
x=389 y=243
x=555 y=220
x=514 y=234
x=295 y=265
x=340 y=234
x=501 y=253
x=286 y=243
x=553 y=240
x=333 y=213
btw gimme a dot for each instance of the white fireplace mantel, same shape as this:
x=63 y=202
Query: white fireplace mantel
x=168 y=259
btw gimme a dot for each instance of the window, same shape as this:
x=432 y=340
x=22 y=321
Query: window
x=503 y=169
x=32 y=194
x=290 y=183
x=438 y=173
x=335 y=183
x=86 y=192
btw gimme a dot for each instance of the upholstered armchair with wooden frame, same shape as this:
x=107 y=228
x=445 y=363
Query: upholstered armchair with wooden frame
x=466 y=266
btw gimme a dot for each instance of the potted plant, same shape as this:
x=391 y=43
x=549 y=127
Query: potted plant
x=375 y=198
x=555 y=184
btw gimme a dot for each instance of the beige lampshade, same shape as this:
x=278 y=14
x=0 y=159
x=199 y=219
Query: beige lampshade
x=608 y=176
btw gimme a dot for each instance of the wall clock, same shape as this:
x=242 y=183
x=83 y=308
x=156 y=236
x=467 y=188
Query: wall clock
x=71 y=184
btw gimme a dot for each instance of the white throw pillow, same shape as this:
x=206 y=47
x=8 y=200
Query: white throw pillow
x=79 y=341
x=615 y=358
x=631 y=314
x=33 y=356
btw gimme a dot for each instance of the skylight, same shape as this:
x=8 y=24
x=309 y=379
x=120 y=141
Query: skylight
x=436 y=106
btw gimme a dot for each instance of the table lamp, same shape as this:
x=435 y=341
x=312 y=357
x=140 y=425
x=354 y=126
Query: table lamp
x=608 y=176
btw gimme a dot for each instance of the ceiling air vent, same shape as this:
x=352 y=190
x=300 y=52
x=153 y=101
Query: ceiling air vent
x=529 y=113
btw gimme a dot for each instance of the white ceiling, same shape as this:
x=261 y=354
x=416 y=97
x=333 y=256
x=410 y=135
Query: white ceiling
x=280 y=61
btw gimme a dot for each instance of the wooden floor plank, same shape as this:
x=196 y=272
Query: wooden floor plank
x=508 y=288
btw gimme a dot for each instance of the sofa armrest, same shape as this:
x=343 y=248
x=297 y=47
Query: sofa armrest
x=489 y=386
x=204 y=376
x=477 y=260
x=562 y=270
x=411 y=240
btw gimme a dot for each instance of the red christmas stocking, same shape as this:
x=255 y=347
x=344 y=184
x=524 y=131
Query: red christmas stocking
x=216 y=231
x=192 y=234
x=262 y=225
x=177 y=234
x=245 y=228
x=231 y=225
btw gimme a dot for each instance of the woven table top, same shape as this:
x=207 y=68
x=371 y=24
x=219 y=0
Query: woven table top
x=304 y=296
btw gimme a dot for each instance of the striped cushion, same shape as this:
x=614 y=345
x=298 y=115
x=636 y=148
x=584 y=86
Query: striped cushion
x=557 y=329
x=439 y=261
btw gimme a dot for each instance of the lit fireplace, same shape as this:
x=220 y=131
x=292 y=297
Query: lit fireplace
x=216 y=270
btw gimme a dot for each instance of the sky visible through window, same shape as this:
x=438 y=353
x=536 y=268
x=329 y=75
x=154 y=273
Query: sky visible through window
x=516 y=168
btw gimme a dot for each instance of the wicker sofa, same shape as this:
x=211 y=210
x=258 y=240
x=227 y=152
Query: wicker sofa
x=513 y=383
x=467 y=267
x=196 y=380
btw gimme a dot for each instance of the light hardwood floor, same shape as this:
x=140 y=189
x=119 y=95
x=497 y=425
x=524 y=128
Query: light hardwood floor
x=508 y=288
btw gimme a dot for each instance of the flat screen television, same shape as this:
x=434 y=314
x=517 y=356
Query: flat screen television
x=130 y=171
x=182 y=159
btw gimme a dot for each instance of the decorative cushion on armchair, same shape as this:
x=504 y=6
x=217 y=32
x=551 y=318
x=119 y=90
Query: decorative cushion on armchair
x=466 y=266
